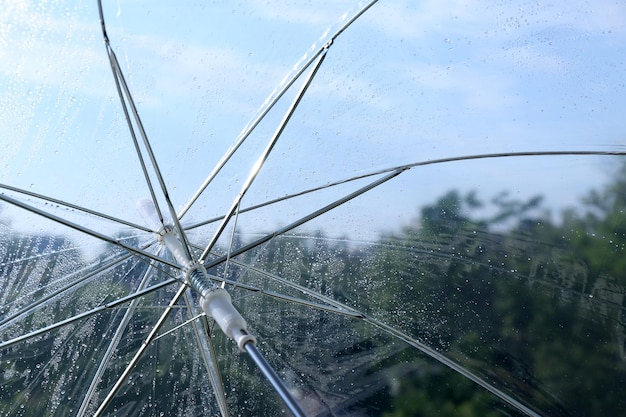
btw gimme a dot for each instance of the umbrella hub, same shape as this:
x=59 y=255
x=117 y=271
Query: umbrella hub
x=196 y=276
x=215 y=301
x=164 y=230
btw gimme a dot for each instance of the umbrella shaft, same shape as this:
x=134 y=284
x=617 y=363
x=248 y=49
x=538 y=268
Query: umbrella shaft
x=274 y=379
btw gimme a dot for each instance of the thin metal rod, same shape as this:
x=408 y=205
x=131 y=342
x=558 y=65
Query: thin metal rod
x=274 y=379
x=120 y=81
x=75 y=207
x=305 y=219
x=232 y=242
x=131 y=365
x=493 y=156
x=42 y=302
x=441 y=358
x=86 y=230
x=87 y=313
x=334 y=307
x=269 y=103
x=288 y=298
x=114 y=341
x=207 y=352
x=157 y=171
x=410 y=166
x=180 y=326
x=118 y=77
x=256 y=168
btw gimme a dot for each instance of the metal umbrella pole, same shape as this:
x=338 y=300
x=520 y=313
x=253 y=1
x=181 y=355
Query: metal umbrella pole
x=274 y=379
x=217 y=303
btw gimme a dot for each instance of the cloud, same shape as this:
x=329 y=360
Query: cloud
x=315 y=14
x=43 y=46
x=486 y=19
x=413 y=20
x=478 y=87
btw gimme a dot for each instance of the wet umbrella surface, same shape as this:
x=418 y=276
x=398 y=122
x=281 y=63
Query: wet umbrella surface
x=416 y=207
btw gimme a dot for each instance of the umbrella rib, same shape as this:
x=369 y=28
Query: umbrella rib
x=256 y=168
x=306 y=218
x=157 y=171
x=88 y=313
x=407 y=167
x=352 y=20
x=36 y=382
x=34 y=258
x=86 y=230
x=294 y=195
x=116 y=259
x=131 y=365
x=75 y=207
x=231 y=243
x=106 y=358
x=117 y=74
x=207 y=351
x=42 y=302
x=344 y=309
x=334 y=307
x=213 y=355
x=120 y=83
x=494 y=156
x=180 y=326
x=348 y=311
x=268 y=104
x=452 y=365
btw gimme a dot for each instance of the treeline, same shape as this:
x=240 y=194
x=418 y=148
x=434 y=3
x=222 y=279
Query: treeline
x=532 y=305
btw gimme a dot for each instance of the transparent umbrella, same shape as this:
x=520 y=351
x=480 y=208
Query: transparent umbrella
x=416 y=207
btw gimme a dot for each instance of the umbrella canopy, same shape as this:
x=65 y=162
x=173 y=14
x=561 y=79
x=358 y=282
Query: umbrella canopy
x=417 y=207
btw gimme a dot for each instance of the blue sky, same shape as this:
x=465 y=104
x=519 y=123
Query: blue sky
x=409 y=81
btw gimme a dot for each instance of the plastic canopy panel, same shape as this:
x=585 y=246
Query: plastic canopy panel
x=417 y=207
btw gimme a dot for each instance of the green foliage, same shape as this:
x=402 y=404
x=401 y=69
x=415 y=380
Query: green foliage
x=533 y=306
x=443 y=394
x=536 y=308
